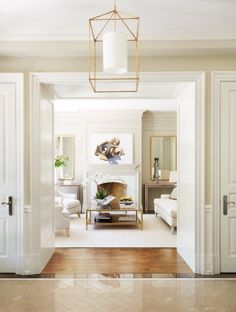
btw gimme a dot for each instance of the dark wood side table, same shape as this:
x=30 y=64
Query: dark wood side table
x=162 y=187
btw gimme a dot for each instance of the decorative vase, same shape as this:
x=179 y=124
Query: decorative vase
x=59 y=175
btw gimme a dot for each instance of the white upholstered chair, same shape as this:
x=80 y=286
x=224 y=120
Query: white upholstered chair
x=71 y=205
x=61 y=219
x=65 y=206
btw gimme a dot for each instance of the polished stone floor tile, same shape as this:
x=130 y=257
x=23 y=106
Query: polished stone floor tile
x=118 y=295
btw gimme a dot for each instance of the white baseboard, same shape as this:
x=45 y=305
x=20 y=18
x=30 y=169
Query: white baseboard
x=26 y=264
x=209 y=256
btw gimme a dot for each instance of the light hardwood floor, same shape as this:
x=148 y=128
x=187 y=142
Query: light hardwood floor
x=116 y=260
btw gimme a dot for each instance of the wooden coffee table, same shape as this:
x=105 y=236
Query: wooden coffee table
x=119 y=216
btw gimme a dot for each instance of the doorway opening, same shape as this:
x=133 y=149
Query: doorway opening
x=80 y=125
x=184 y=98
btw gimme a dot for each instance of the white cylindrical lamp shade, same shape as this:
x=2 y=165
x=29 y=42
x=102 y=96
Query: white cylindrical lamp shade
x=115 y=55
x=173 y=176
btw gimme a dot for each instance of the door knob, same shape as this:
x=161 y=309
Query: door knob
x=9 y=204
x=225 y=204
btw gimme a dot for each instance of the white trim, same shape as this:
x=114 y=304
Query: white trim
x=75 y=78
x=18 y=80
x=33 y=225
x=20 y=163
x=200 y=175
x=209 y=257
x=217 y=78
x=36 y=251
x=67 y=78
x=200 y=234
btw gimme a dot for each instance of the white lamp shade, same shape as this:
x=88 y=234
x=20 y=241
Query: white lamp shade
x=173 y=176
x=115 y=57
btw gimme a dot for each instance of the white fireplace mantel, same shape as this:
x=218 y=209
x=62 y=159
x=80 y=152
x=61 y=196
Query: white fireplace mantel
x=130 y=177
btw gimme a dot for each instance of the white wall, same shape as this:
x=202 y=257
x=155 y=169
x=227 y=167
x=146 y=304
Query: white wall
x=142 y=124
x=207 y=63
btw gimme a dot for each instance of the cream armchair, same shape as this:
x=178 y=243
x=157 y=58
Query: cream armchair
x=61 y=219
x=65 y=206
x=70 y=204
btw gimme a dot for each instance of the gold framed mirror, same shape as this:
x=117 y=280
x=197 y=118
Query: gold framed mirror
x=64 y=146
x=162 y=156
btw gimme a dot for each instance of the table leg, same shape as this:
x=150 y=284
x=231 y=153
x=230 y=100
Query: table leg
x=141 y=220
x=145 y=198
x=86 y=220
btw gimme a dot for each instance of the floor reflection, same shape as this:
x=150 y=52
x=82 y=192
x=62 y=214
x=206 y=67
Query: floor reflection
x=118 y=295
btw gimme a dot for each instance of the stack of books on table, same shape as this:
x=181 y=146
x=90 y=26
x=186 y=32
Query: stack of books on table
x=102 y=217
x=128 y=218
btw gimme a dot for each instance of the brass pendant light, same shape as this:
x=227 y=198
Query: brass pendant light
x=113 y=33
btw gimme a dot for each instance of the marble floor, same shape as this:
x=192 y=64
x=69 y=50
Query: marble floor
x=117 y=295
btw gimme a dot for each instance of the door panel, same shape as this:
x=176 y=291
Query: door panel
x=186 y=177
x=228 y=176
x=46 y=176
x=7 y=176
x=232 y=241
x=47 y=169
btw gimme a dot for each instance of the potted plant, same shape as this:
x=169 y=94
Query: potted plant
x=101 y=197
x=101 y=193
x=59 y=162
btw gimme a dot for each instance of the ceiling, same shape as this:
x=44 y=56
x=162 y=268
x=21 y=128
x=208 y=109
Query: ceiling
x=147 y=90
x=41 y=28
x=152 y=96
x=154 y=105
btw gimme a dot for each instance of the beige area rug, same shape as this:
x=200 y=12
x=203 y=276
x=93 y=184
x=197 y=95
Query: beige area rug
x=156 y=233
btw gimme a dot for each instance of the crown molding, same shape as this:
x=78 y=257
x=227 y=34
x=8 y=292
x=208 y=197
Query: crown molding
x=78 y=31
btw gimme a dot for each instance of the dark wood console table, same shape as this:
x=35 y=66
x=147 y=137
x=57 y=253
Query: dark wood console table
x=162 y=187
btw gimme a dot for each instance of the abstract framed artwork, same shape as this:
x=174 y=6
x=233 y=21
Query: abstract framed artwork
x=111 y=148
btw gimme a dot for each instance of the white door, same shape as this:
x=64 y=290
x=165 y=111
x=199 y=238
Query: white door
x=228 y=176
x=46 y=179
x=8 y=186
x=186 y=141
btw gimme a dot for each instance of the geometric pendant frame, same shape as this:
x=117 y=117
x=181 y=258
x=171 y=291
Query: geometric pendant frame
x=98 y=25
